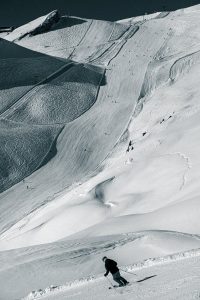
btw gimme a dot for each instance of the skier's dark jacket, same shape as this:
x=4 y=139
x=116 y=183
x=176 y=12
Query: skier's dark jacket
x=111 y=266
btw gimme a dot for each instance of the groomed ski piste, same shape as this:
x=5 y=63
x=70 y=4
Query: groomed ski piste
x=169 y=277
x=99 y=155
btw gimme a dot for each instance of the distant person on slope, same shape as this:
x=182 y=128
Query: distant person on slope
x=111 y=266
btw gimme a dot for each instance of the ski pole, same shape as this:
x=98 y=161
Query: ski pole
x=128 y=272
x=113 y=287
x=109 y=281
x=111 y=284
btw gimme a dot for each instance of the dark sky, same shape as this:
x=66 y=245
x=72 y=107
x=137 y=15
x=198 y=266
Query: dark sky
x=18 y=12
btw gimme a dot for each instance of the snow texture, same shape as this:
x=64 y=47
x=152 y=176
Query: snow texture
x=99 y=155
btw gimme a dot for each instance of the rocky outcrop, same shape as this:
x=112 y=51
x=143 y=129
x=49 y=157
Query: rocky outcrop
x=50 y=20
x=38 y=26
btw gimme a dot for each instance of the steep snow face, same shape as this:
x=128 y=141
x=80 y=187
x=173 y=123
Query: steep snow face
x=100 y=152
x=146 y=106
x=104 y=145
x=23 y=148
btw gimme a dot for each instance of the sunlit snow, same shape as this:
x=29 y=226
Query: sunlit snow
x=100 y=156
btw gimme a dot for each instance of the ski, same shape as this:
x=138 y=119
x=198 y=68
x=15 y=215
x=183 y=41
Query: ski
x=117 y=286
x=146 y=278
x=137 y=281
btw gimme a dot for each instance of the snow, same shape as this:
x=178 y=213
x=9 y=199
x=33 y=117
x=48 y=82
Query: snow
x=122 y=179
x=63 y=262
x=139 y=18
x=173 y=278
x=39 y=25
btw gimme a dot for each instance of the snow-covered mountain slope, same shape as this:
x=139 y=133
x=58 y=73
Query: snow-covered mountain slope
x=74 y=269
x=100 y=152
x=171 y=277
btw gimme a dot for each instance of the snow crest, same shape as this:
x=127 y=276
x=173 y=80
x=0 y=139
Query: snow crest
x=129 y=269
x=56 y=288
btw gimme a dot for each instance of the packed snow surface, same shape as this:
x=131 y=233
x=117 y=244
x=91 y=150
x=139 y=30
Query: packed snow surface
x=178 y=279
x=99 y=155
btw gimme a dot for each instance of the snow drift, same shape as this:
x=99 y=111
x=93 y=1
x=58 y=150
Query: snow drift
x=100 y=148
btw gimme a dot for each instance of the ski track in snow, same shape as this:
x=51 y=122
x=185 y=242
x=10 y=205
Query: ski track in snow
x=156 y=281
x=124 y=181
x=188 y=165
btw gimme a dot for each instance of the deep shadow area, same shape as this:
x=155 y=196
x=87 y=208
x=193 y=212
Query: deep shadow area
x=71 y=93
x=66 y=21
x=90 y=72
x=20 y=12
x=103 y=80
x=24 y=67
x=52 y=19
x=11 y=50
x=60 y=72
x=52 y=152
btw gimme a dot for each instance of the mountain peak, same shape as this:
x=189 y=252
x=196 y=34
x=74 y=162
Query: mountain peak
x=37 y=26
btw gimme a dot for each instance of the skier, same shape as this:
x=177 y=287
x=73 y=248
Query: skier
x=111 y=266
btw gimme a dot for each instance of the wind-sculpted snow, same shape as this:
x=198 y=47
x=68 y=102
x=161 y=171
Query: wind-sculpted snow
x=62 y=99
x=98 y=193
x=121 y=178
x=78 y=148
x=165 y=259
x=183 y=65
x=22 y=150
x=136 y=70
x=54 y=288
